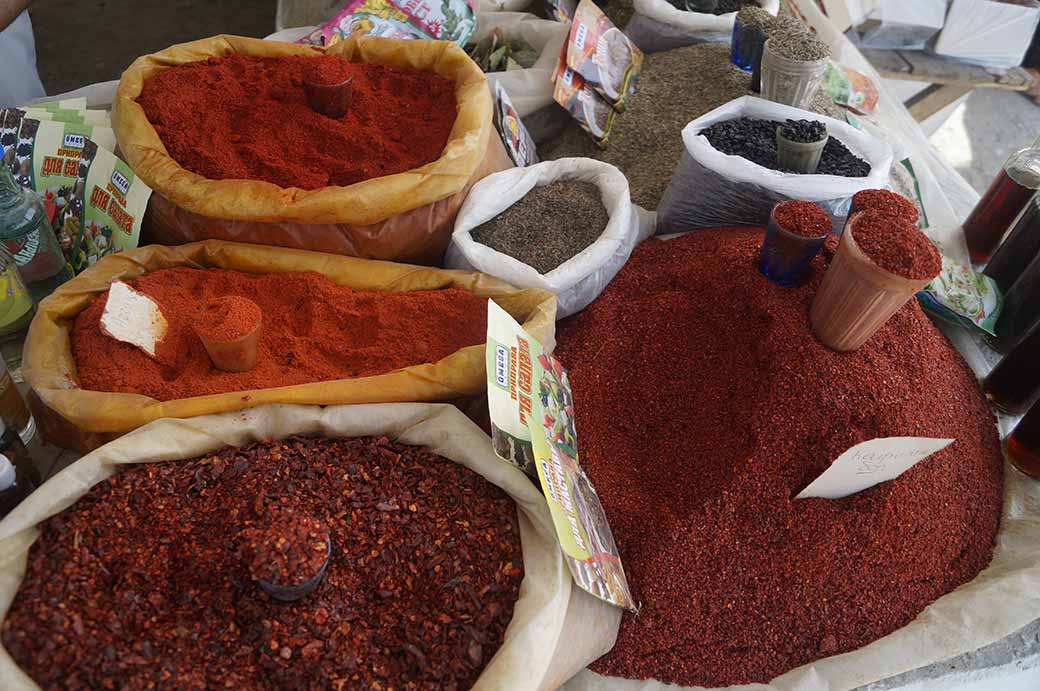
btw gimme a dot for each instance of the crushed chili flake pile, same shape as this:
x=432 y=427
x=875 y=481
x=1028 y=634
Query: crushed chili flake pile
x=239 y=117
x=141 y=583
x=288 y=550
x=313 y=330
x=803 y=218
x=896 y=245
x=706 y=405
x=887 y=202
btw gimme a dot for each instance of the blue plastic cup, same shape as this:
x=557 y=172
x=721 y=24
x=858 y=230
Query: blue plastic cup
x=785 y=256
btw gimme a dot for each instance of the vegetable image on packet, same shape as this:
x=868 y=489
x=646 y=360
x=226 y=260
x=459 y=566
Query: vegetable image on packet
x=962 y=296
x=440 y=20
x=105 y=208
x=601 y=53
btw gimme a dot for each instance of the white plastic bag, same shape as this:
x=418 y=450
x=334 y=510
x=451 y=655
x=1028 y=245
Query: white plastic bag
x=530 y=89
x=657 y=25
x=556 y=628
x=899 y=24
x=711 y=189
x=982 y=32
x=580 y=279
x=483 y=6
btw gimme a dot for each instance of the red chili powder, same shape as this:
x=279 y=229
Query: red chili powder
x=248 y=118
x=896 y=245
x=704 y=404
x=887 y=202
x=227 y=318
x=314 y=330
x=803 y=218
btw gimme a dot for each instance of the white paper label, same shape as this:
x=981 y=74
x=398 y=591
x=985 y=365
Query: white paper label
x=870 y=463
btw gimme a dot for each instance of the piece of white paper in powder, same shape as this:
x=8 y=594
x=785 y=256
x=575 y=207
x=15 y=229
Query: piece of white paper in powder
x=870 y=463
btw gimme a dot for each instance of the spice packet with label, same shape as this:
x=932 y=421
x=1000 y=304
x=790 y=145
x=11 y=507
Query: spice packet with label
x=585 y=105
x=850 y=88
x=603 y=55
x=962 y=296
x=65 y=104
x=78 y=117
x=511 y=129
x=561 y=10
x=105 y=208
x=447 y=20
x=532 y=426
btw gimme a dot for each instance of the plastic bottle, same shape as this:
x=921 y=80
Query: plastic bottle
x=13 y=411
x=998 y=208
x=16 y=305
x=26 y=232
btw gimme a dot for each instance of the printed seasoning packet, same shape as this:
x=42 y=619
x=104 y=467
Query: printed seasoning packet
x=585 y=105
x=962 y=296
x=561 y=10
x=66 y=104
x=850 y=88
x=511 y=129
x=442 y=20
x=601 y=53
x=105 y=208
x=78 y=117
x=532 y=426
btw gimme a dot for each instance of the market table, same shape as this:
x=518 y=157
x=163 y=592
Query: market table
x=949 y=79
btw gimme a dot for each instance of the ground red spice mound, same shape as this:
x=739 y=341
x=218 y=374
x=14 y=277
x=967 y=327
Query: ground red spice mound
x=141 y=584
x=896 y=246
x=227 y=318
x=803 y=218
x=313 y=330
x=288 y=550
x=705 y=404
x=887 y=202
x=248 y=118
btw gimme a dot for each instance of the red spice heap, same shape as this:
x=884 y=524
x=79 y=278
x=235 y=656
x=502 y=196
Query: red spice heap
x=803 y=218
x=289 y=550
x=896 y=245
x=227 y=318
x=705 y=404
x=326 y=72
x=315 y=331
x=887 y=202
x=248 y=118
x=140 y=584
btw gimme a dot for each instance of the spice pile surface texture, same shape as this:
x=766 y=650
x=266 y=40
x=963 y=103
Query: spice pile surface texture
x=287 y=549
x=705 y=405
x=887 y=202
x=227 y=318
x=803 y=218
x=141 y=584
x=755 y=140
x=548 y=225
x=896 y=245
x=313 y=330
x=247 y=118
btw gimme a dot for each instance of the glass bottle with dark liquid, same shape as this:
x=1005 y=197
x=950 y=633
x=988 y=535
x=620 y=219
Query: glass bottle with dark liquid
x=1007 y=195
x=1013 y=256
x=1014 y=384
x=1022 y=447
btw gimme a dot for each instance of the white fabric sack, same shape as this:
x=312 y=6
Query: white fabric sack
x=529 y=89
x=711 y=189
x=657 y=25
x=993 y=34
x=556 y=628
x=579 y=280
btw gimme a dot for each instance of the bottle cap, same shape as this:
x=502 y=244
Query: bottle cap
x=7 y=474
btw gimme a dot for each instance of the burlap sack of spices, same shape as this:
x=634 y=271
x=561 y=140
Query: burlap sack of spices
x=556 y=627
x=74 y=418
x=403 y=217
x=658 y=25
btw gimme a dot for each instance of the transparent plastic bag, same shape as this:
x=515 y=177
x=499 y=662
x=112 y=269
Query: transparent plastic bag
x=579 y=280
x=711 y=189
x=658 y=25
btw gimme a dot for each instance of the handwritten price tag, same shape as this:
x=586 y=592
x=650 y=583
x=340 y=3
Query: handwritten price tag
x=871 y=463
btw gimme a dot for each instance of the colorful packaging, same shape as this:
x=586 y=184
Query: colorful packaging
x=561 y=10
x=517 y=140
x=67 y=104
x=603 y=55
x=78 y=117
x=446 y=20
x=532 y=426
x=850 y=88
x=962 y=296
x=592 y=111
x=105 y=208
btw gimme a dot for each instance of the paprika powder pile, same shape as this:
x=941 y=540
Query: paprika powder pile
x=240 y=117
x=705 y=404
x=896 y=245
x=145 y=582
x=313 y=330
